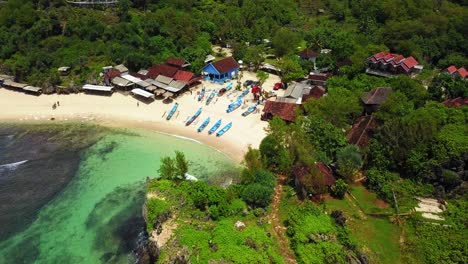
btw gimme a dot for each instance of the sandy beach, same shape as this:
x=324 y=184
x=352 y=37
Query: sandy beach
x=121 y=110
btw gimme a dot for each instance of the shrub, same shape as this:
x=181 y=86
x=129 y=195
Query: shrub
x=155 y=208
x=257 y=195
x=349 y=161
x=339 y=189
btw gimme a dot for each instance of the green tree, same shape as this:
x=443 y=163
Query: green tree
x=168 y=168
x=339 y=189
x=349 y=161
x=285 y=42
x=275 y=155
x=181 y=164
x=290 y=69
x=262 y=76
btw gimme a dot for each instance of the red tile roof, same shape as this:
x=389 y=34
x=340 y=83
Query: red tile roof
x=463 y=73
x=176 y=62
x=388 y=57
x=360 y=132
x=456 y=102
x=379 y=55
x=409 y=63
x=451 y=69
x=315 y=93
x=282 y=110
x=225 y=65
x=319 y=76
x=184 y=76
x=300 y=172
x=163 y=69
x=308 y=53
x=141 y=76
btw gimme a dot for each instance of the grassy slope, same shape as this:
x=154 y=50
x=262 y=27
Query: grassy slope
x=377 y=236
x=204 y=239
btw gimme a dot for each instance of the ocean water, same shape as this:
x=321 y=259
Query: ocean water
x=96 y=216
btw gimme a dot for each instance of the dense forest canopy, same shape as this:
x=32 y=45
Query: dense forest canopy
x=37 y=36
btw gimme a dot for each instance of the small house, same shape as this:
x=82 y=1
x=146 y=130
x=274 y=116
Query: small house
x=121 y=68
x=285 y=111
x=316 y=78
x=318 y=178
x=295 y=92
x=308 y=54
x=65 y=70
x=178 y=63
x=457 y=73
x=374 y=98
x=315 y=93
x=221 y=71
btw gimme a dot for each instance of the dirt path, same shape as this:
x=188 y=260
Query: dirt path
x=280 y=230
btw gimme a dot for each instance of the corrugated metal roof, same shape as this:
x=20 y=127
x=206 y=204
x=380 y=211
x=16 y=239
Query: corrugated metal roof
x=98 y=88
x=143 y=93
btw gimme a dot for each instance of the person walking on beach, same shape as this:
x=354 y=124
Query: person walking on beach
x=58 y=103
x=138 y=104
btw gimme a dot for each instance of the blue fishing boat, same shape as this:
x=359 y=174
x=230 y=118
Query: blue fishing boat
x=215 y=127
x=224 y=90
x=190 y=121
x=203 y=125
x=224 y=130
x=210 y=98
x=202 y=94
x=171 y=113
x=234 y=106
x=250 y=110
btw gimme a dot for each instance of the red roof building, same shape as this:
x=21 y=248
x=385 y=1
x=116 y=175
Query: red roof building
x=306 y=178
x=163 y=69
x=285 y=111
x=176 y=62
x=456 y=102
x=388 y=64
x=225 y=65
x=315 y=93
x=461 y=73
x=308 y=54
x=451 y=70
x=319 y=78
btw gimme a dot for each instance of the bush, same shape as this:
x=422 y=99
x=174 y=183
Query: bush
x=339 y=189
x=257 y=195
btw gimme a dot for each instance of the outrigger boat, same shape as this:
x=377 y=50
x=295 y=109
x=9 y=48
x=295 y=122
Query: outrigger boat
x=210 y=98
x=250 y=110
x=190 y=121
x=224 y=90
x=202 y=94
x=244 y=93
x=171 y=113
x=234 y=106
x=224 y=130
x=215 y=127
x=203 y=125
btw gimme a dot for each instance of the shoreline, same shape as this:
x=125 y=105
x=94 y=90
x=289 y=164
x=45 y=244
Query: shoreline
x=121 y=110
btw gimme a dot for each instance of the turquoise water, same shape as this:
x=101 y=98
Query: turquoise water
x=97 y=217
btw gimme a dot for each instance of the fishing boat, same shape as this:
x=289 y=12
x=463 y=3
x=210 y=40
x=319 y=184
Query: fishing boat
x=234 y=106
x=203 y=125
x=190 y=120
x=249 y=110
x=224 y=130
x=202 y=94
x=215 y=127
x=171 y=113
x=224 y=90
x=210 y=98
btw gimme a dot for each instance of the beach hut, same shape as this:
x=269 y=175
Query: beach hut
x=32 y=89
x=222 y=70
x=144 y=94
x=90 y=88
x=65 y=70
x=3 y=78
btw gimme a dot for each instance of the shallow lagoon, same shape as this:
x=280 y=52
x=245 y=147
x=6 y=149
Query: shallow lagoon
x=96 y=217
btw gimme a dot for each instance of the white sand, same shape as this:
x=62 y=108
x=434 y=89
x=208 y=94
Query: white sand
x=120 y=110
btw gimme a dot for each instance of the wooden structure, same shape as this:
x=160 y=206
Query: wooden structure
x=222 y=70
